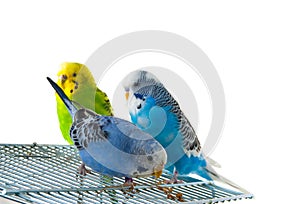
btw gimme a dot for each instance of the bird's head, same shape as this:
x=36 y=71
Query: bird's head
x=136 y=80
x=71 y=76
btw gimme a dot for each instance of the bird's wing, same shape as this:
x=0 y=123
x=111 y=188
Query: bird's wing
x=191 y=143
x=117 y=145
x=102 y=103
x=163 y=98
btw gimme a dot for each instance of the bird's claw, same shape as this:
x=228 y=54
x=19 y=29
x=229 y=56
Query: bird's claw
x=82 y=170
x=174 y=179
x=129 y=183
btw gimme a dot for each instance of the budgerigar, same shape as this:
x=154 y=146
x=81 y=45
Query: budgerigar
x=154 y=110
x=112 y=146
x=78 y=83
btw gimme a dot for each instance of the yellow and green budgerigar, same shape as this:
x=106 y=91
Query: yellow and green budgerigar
x=79 y=85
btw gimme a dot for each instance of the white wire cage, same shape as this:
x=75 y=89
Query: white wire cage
x=48 y=174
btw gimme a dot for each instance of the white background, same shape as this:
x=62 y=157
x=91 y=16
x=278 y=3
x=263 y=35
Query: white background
x=254 y=46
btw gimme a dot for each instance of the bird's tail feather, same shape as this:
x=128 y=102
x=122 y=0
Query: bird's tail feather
x=212 y=162
x=217 y=177
x=69 y=104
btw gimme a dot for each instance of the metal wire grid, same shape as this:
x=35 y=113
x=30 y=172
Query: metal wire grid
x=48 y=174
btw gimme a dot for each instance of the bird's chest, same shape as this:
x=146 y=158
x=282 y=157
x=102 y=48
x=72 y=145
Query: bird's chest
x=141 y=119
x=143 y=122
x=167 y=135
x=164 y=127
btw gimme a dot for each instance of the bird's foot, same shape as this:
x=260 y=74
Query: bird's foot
x=82 y=170
x=129 y=183
x=174 y=179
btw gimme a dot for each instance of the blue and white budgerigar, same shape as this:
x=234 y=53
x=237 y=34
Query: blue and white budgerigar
x=113 y=146
x=153 y=109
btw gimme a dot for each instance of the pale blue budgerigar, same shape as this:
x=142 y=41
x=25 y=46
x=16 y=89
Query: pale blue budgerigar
x=153 y=109
x=113 y=146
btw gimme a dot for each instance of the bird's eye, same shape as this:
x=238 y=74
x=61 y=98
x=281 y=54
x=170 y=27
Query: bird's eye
x=74 y=74
x=144 y=99
x=139 y=106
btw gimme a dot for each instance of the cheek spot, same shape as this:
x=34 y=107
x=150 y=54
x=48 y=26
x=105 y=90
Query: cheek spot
x=150 y=158
x=76 y=84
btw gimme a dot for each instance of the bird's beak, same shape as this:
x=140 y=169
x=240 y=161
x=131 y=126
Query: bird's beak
x=158 y=170
x=127 y=95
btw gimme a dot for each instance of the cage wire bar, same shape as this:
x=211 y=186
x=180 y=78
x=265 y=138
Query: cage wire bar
x=48 y=174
